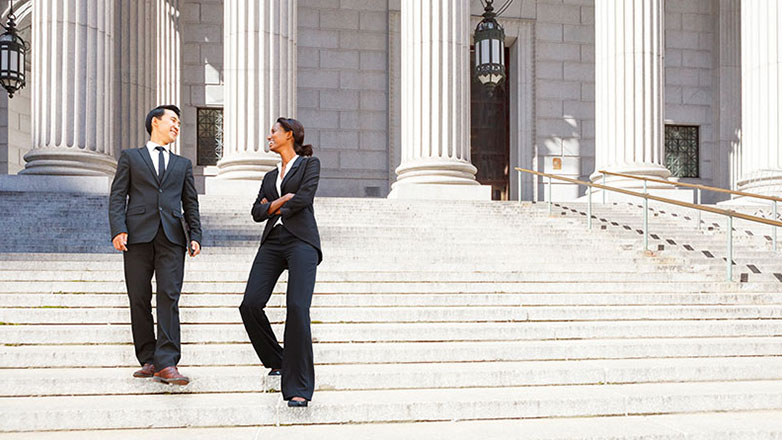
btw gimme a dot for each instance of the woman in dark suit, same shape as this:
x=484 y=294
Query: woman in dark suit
x=290 y=241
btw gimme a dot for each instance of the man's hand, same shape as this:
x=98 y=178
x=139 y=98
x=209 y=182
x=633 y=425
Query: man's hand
x=196 y=248
x=119 y=241
x=264 y=201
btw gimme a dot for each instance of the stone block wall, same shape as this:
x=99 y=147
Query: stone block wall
x=202 y=71
x=565 y=91
x=343 y=93
x=689 y=74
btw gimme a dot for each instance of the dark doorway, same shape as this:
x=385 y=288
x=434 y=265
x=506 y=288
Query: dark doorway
x=490 y=133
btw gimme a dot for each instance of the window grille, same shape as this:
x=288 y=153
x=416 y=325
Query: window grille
x=681 y=150
x=210 y=135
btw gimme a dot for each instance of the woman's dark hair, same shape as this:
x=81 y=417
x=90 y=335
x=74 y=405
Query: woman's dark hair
x=295 y=126
x=158 y=113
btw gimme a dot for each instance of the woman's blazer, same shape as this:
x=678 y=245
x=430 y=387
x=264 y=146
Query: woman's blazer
x=298 y=216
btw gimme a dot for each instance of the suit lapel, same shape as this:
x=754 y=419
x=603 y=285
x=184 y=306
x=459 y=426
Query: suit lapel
x=288 y=173
x=173 y=159
x=273 y=182
x=148 y=160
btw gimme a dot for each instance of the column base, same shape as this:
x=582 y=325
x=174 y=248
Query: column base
x=247 y=166
x=432 y=191
x=437 y=171
x=56 y=184
x=68 y=162
x=652 y=171
x=244 y=188
x=766 y=182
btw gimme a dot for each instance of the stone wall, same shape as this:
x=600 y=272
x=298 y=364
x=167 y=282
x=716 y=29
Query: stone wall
x=342 y=93
x=565 y=91
x=689 y=74
x=202 y=71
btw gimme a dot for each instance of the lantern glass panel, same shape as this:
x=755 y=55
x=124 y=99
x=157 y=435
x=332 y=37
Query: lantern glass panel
x=14 y=62
x=485 y=52
x=4 y=58
x=495 y=51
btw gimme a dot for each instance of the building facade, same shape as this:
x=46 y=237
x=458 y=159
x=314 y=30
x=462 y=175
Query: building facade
x=684 y=89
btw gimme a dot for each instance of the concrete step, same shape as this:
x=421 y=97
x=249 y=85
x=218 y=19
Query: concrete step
x=733 y=425
x=85 y=334
x=410 y=287
x=103 y=300
x=229 y=379
x=253 y=409
x=10 y=315
x=326 y=276
x=51 y=356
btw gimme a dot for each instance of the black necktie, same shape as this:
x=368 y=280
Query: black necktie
x=161 y=163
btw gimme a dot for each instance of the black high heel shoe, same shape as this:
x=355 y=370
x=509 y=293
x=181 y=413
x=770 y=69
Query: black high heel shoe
x=275 y=372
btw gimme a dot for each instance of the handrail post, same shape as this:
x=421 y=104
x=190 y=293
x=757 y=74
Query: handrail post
x=604 y=190
x=589 y=208
x=774 y=232
x=549 y=195
x=730 y=249
x=519 y=175
x=699 y=211
x=646 y=220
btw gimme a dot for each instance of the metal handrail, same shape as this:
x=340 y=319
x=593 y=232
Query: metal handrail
x=773 y=199
x=694 y=185
x=730 y=214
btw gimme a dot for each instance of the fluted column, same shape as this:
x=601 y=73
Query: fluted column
x=136 y=72
x=629 y=48
x=260 y=82
x=728 y=166
x=73 y=88
x=761 y=97
x=435 y=90
x=169 y=53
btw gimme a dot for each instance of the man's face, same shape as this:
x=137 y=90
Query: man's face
x=166 y=127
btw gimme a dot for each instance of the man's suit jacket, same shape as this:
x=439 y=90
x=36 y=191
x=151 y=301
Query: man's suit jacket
x=297 y=214
x=151 y=203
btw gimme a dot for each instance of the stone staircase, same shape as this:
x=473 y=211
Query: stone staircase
x=430 y=320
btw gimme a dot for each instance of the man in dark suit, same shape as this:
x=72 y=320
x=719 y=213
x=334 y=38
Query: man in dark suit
x=151 y=188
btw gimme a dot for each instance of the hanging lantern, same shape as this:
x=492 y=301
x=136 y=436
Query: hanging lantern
x=489 y=49
x=12 y=57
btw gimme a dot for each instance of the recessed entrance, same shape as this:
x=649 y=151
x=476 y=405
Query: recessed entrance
x=490 y=133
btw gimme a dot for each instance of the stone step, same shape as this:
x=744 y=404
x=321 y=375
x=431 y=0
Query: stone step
x=118 y=381
x=410 y=287
x=266 y=409
x=50 y=356
x=85 y=334
x=727 y=425
x=112 y=300
x=121 y=315
x=328 y=276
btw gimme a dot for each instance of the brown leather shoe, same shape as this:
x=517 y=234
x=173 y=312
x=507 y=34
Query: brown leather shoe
x=170 y=375
x=148 y=370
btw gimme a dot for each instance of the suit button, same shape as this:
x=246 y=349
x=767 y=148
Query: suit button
x=160 y=190
x=160 y=209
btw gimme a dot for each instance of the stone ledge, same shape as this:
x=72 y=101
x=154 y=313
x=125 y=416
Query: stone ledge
x=58 y=184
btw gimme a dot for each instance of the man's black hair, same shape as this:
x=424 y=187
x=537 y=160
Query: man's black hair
x=158 y=112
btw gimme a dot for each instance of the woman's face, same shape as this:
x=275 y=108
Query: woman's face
x=279 y=138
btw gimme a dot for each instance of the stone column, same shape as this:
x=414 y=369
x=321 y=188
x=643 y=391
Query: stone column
x=728 y=165
x=629 y=96
x=73 y=88
x=136 y=72
x=260 y=82
x=168 y=50
x=436 y=103
x=761 y=97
